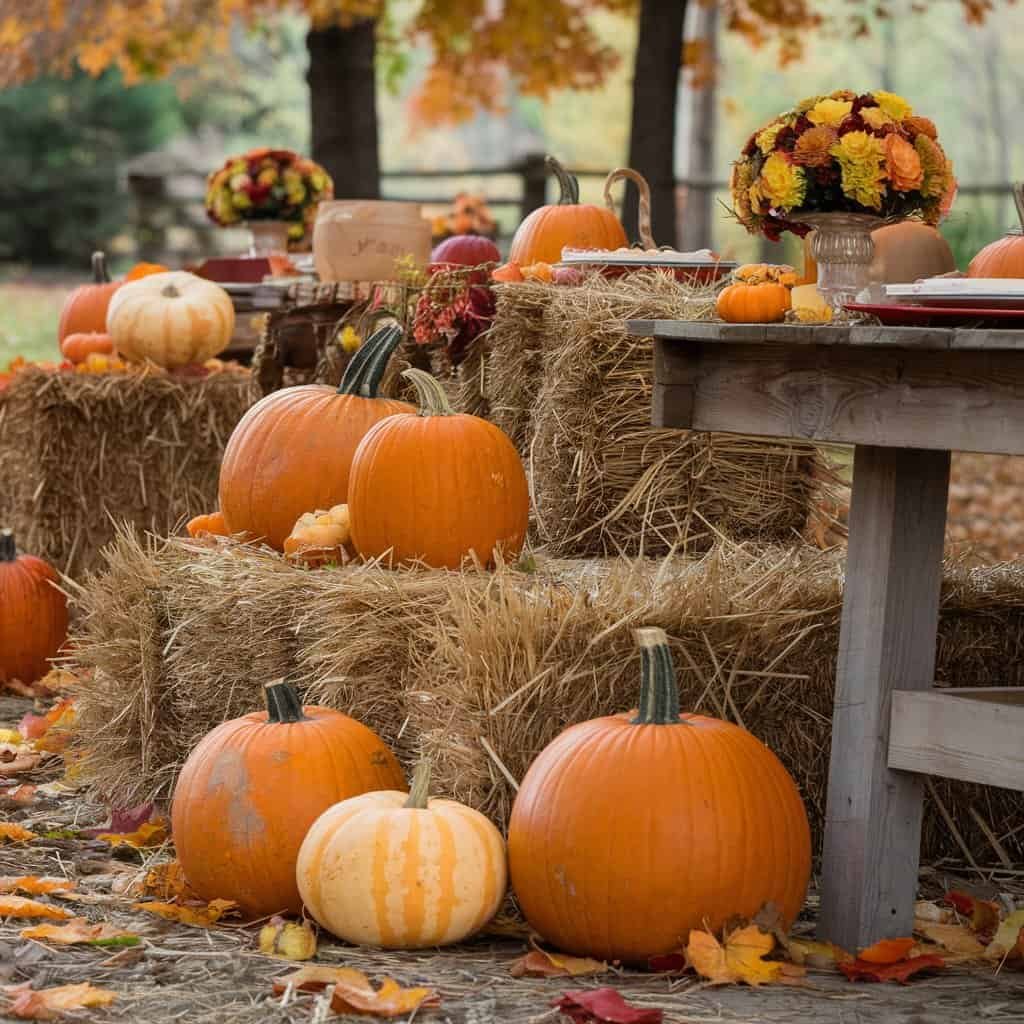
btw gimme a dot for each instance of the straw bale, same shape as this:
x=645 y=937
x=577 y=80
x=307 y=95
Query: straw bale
x=81 y=451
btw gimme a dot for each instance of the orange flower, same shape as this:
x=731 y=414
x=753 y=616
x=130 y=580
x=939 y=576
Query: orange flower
x=812 y=148
x=922 y=125
x=903 y=164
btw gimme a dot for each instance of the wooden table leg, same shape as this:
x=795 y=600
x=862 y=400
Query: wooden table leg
x=887 y=641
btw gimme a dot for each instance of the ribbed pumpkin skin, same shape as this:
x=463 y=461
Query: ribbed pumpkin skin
x=85 y=309
x=376 y=873
x=291 y=453
x=249 y=792
x=624 y=837
x=1003 y=258
x=435 y=488
x=33 y=618
x=545 y=232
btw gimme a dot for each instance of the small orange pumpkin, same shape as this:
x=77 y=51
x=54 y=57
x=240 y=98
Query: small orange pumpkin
x=760 y=294
x=78 y=347
x=507 y=273
x=211 y=523
x=1003 y=258
x=144 y=270
x=320 y=537
x=85 y=309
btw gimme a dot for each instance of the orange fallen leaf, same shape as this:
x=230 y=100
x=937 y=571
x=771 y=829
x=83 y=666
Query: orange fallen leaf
x=954 y=938
x=887 y=951
x=984 y=914
x=807 y=952
x=164 y=882
x=19 y=906
x=357 y=995
x=315 y=978
x=203 y=916
x=33 y=885
x=38 y=727
x=901 y=970
x=738 y=958
x=149 y=833
x=79 y=930
x=15 y=833
x=23 y=794
x=50 y=1003
x=539 y=963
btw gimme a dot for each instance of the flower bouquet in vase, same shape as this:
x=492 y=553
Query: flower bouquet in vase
x=842 y=165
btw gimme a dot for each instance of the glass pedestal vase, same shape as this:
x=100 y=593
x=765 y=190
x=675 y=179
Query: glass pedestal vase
x=843 y=249
x=267 y=237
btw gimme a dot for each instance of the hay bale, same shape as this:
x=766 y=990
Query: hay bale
x=81 y=451
x=481 y=670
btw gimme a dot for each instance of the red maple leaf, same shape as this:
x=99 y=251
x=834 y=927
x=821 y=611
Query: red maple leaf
x=862 y=970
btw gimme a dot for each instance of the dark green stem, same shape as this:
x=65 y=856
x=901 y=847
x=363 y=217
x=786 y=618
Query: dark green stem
x=366 y=368
x=283 y=704
x=432 y=398
x=567 y=183
x=419 y=791
x=8 y=551
x=99 y=268
x=659 y=694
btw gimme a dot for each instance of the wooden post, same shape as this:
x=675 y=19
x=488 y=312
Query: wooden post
x=535 y=184
x=887 y=642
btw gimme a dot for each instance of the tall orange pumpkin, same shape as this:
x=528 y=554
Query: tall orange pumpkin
x=437 y=486
x=250 y=790
x=545 y=232
x=33 y=614
x=292 y=451
x=631 y=830
x=85 y=309
x=1004 y=257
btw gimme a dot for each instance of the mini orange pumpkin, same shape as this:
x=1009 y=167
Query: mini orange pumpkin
x=320 y=537
x=85 y=309
x=1005 y=257
x=760 y=294
x=212 y=523
x=144 y=270
x=78 y=347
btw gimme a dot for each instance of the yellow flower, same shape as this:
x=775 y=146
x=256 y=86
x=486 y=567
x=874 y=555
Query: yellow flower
x=937 y=170
x=350 y=341
x=319 y=181
x=895 y=106
x=739 y=185
x=784 y=184
x=268 y=176
x=814 y=147
x=767 y=136
x=861 y=158
x=241 y=200
x=875 y=117
x=829 y=112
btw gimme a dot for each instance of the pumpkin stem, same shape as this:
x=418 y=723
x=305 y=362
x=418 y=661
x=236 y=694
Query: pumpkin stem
x=433 y=401
x=569 y=187
x=420 y=788
x=659 y=695
x=283 y=704
x=169 y=291
x=366 y=368
x=1018 y=202
x=100 y=275
x=8 y=551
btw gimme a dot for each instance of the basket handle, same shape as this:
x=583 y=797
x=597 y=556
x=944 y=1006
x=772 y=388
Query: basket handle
x=644 y=190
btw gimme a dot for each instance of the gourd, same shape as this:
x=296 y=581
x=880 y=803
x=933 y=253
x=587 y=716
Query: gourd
x=320 y=537
x=437 y=487
x=541 y=237
x=211 y=523
x=85 y=309
x=141 y=270
x=171 y=319
x=1003 y=258
x=251 y=788
x=79 y=346
x=400 y=871
x=33 y=614
x=760 y=294
x=909 y=251
x=465 y=251
x=628 y=831
x=292 y=451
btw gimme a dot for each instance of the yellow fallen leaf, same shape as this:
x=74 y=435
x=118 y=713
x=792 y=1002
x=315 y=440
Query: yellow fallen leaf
x=149 y=833
x=390 y=1000
x=165 y=882
x=15 y=833
x=48 y=1003
x=807 y=952
x=79 y=930
x=293 y=940
x=198 y=916
x=1007 y=940
x=952 y=937
x=539 y=963
x=738 y=958
x=10 y=736
x=33 y=885
x=19 y=906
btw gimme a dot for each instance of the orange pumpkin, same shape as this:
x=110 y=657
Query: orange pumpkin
x=629 y=831
x=85 y=309
x=33 y=614
x=144 y=270
x=763 y=303
x=78 y=347
x=437 y=487
x=212 y=523
x=250 y=790
x=1005 y=257
x=291 y=452
x=545 y=232
x=507 y=273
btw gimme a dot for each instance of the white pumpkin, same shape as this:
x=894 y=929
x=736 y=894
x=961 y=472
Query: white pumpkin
x=171 y=319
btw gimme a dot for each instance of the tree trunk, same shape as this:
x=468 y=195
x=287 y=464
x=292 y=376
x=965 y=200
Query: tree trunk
x=653 y=127
x=697 y=229
x=343 y=107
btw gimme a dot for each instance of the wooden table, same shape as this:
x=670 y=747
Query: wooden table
x=905 y=397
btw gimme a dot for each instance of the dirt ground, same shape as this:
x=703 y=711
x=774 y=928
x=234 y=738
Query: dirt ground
x=181 y=973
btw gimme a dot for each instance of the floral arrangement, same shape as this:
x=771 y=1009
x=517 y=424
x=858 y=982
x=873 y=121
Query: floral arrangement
x=452 y=311
x=868 y=154
x=469 y=215
x=268 y=184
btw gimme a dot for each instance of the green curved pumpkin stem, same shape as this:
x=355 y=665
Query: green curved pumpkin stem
x=366 y=368
x=100 y=275
x=283 y=704
x=659 y=694
x=567 y=183
x=433 y=401
x=1018 y=202
x=8 y=551
x=420 y=789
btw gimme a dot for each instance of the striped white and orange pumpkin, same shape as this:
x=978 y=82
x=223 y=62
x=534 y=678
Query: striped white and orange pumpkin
x=400 y=871
x=171 y=319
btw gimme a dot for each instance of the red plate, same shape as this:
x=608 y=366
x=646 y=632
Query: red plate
x=936 y=316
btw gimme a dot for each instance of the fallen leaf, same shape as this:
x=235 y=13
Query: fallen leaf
x=38 y=727
x=10 y=736
x=15 y=833
x=984 y=914
x=23 y=794
x=738 y=958
x=293 y=940
x=539 y=963
x=1008 y=940
x=315 y=978
x=200 y=916
x=793 y=974
x=33 y=885
x=604 y=1005
x=924 y=910
x=19 y=906
x=149 y=834
x=123 y=958
x=954 y=938
x=20 y=761
x=79 y=930
x=668 y=963
x=50 y=1003
x=165 y=882
x=123 y=821
x=390 y=1000
x=887 y=951
x=901 y=971
x=807 y=952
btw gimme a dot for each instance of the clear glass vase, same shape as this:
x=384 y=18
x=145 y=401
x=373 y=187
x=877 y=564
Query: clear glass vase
x=843 y=249
x=267 y=237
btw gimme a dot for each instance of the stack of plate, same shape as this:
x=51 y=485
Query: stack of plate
x=950 y=301
x=700 y=266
